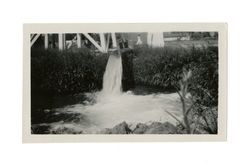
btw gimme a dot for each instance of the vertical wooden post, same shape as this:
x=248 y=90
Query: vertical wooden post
x=107 y=43
x=157 y=39
x=103 y=42
x=113 y=40
x=61 y=41
x=149 y=38
x=79 y=40
x=46 y=41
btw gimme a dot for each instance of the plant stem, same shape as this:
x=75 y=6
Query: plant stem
x=185 y=116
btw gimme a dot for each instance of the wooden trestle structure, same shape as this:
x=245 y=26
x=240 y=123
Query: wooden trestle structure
x=102 y=45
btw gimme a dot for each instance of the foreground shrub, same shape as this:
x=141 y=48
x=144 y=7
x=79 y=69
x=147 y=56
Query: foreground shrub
x=164 y=67
x=66 y=72
x=56 y=72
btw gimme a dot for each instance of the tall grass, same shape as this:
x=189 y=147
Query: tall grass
x=171 y=69
x=164 y=67
x=66 y=72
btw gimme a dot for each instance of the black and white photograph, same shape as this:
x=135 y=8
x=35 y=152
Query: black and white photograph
x=128 y=83
x=124 y=83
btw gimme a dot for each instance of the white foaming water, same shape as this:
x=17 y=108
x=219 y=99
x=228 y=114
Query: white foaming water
x=134 y=109
x=112 y=110
x=113 y=107
x=112 y=79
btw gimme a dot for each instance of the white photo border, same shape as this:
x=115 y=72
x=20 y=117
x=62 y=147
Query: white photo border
x=221 y=28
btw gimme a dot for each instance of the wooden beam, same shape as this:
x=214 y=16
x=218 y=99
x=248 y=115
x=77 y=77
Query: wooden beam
x=70 y=43
x=107 y=43
x=157 y=39
x=114 y=40
x=93 y=41
x=103 y=41
x=149 y=38
x=61 y=41
x=31 y=36
x=79 y=40
x=34 y=39
x=46 y=41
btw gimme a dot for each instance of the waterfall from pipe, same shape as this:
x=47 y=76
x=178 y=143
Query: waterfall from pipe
x=112 y=79
x=111 y=106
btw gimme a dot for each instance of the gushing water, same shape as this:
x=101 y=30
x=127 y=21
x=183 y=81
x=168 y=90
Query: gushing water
x=111 y=106
x=112 y=79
